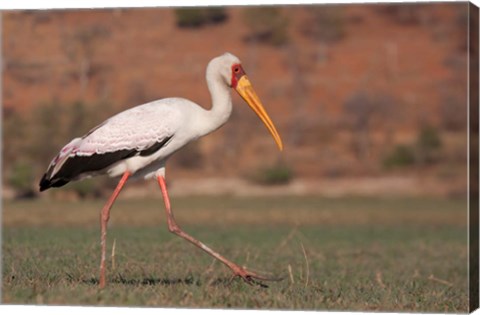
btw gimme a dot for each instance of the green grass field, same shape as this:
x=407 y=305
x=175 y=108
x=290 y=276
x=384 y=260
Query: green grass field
x=334 y=254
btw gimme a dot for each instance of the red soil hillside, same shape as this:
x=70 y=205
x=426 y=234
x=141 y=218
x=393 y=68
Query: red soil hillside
x=409 y=59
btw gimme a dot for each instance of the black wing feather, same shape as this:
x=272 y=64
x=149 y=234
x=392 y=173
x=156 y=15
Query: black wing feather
x=77 y=165
x=154 y=148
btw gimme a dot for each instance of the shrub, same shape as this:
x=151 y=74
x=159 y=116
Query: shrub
x=429 y=139
x=425 y=150
x=216 y=15
x=189 y=17
x=85 y=188
x=279 y=174
x=401 y=156
x=428 y=144
x=197 y=17
x=21 y=179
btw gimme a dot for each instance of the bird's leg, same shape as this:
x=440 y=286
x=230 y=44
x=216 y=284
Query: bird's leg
x=104 y=216
x=173 y=227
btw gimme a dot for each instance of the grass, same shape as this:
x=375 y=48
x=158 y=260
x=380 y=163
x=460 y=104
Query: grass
x=334 y=254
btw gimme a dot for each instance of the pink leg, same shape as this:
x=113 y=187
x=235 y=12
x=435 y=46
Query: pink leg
x=104 y=216
x=246 y=275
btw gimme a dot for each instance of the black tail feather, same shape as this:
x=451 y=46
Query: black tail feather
x=44 y=183
x=47 y=183
x=76 y=165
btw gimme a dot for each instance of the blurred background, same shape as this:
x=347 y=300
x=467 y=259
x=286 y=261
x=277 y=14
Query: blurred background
x=369 y=99
x=365 y=209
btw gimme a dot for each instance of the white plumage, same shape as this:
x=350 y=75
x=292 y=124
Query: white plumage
x=141 y=127
x=138 y=141
x=136 y=128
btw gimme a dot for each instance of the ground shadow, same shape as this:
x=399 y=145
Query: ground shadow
x=156 y=281
x=150 y=281
x=146 y=281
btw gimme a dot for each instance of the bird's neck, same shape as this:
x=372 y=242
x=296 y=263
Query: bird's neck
x=221 y=106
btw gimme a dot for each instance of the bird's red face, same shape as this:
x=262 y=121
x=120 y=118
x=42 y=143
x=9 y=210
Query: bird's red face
x=244 y=88
x=237 y=73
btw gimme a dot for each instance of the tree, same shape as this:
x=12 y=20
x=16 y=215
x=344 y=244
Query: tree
x=362 y=109
x=46 y=133
x=406 y=14
x=299 y=91
x=81 y=46
x=267 y=25
x=453 y=112
x=326 y=26
x=14 y=135
x=80 y=119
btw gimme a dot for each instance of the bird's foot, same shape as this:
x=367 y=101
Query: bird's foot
x=252 y=278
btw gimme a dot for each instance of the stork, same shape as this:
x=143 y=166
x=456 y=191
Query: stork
x=137 y=142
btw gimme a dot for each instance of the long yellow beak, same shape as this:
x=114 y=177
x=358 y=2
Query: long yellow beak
x=246 y=91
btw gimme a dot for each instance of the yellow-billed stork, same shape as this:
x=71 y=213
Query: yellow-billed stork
x=137 y=142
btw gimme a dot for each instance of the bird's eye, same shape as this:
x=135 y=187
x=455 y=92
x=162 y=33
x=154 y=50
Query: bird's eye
x=236 y=69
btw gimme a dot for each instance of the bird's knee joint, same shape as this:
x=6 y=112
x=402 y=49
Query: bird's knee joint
x=105 y=217
x=174 y=228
